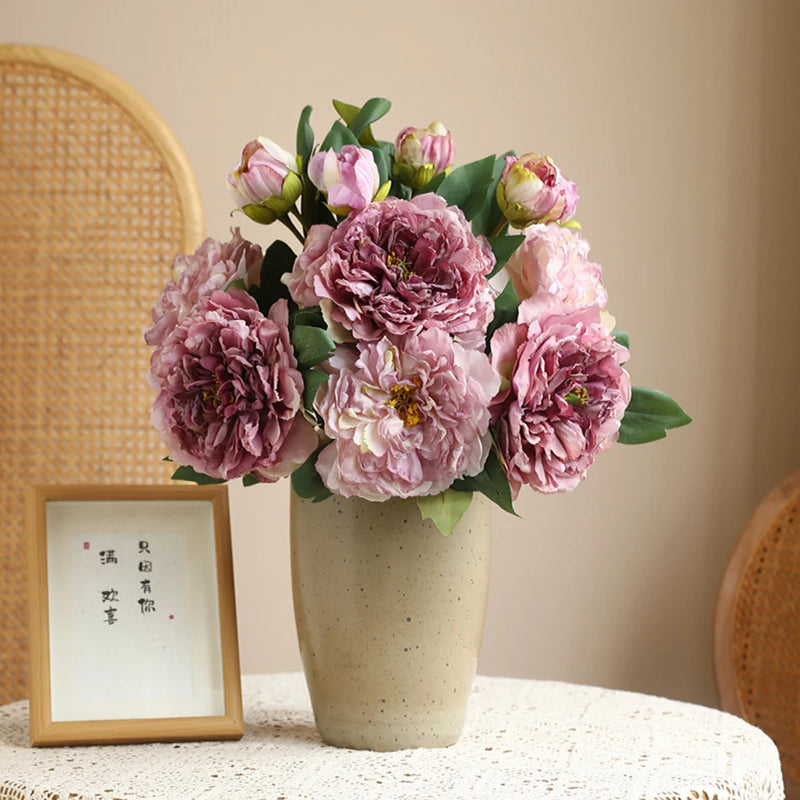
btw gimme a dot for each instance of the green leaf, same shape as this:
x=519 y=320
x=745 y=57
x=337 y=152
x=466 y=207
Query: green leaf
x=505 y=310
x=649 y=415
x=187 y=473
x=503 y=248
x=278 y=260
x=445 y=509
x=338 y=136
x=312 y=380
x=622 y=337
x=312 y=315
x=311 y=345
x=359 y=120
x=488 y=219
x=250 y=480
x=492 y=482
x=382 y=162
x=466 y=186
x=305 y=137
x=307 y=482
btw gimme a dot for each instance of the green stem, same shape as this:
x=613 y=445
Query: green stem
x=291 y=226
x=500 y=227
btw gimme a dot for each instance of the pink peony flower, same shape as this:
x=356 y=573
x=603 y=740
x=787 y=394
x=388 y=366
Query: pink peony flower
x=349 y=178
x=405 y=422
x=399 y=267
x=555 y=260
x=300 y=281
x=266 y=183
x=422 y=153
x=229 y=392
x=532 y=189
x=564 y=395
x=212 y=266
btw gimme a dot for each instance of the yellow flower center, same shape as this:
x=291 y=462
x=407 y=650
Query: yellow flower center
x=404 y=402
x=577 y=396
x=394 y=260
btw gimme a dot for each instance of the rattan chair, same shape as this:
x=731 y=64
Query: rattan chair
x=96 y=197
x=757 y=626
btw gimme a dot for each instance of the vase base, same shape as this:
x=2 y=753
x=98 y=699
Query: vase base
x=385 y=738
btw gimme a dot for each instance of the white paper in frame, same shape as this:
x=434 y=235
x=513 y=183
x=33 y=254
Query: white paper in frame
x=132 y=615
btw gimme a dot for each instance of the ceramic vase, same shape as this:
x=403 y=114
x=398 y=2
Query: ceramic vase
x=389 y=616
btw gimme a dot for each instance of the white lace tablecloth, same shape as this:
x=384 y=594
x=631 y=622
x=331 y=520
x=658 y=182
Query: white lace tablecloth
x=523 y=739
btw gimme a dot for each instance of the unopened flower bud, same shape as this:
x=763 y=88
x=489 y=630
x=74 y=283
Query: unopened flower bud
x=266 y=183
x=422 y=153
x=349 y=178
x=532 y=189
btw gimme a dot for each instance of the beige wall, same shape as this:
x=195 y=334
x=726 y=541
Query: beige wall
x=675 y=119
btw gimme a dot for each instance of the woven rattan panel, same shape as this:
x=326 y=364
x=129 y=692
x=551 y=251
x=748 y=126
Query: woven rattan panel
x=766 y=635
x=89 y=223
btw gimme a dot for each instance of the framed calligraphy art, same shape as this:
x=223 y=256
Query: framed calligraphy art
x=132 y=615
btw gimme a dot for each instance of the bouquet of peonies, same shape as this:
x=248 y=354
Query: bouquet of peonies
x=412 y=346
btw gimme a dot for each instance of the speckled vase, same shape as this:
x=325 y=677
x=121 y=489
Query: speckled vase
x=389 y=617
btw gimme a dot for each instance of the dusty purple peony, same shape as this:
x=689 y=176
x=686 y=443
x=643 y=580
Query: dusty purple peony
x=564 y=394
x=212 y=266
x=229 y=392
x=405 y=421
x=555 y=260
x=400 y=267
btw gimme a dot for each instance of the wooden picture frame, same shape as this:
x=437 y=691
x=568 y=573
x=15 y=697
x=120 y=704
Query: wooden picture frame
x=132 y=615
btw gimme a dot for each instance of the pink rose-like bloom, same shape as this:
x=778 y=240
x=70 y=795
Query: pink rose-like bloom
x=229 y=392
x=405 y=421
x=212 y=266
x=401 y=266
x=555 y=260
x=532 y=189
x=565 y=395
x=422 y=153
x=266 y=176
x=349 y=178
x=300 y=281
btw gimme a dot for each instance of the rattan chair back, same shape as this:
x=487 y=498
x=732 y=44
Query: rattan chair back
x=757 y=626
x=96 y=197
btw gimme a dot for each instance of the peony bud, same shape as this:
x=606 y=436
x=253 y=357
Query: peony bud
x=349 y=178
x=422 y=153
x=266 y=183
x=532 y=189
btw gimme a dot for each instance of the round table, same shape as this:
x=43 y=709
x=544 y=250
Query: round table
x=523 y=739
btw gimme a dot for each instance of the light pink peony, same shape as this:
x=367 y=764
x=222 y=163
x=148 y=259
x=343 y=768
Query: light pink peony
x=300 y=281
x=349 y=178
x=422 y=153
x=212 y=266
x=532 y=189
x=399 y=267
x=555 y=260
x=405 y=421
x=564 y=396
x=229 y=392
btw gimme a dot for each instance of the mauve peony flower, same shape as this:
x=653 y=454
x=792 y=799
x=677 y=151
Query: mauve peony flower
x=564 y=395
x=266 y=183
x=212 y=266
x=349 y=178
x=555 y=260
x=405 y=422
x=230 y=395
x=422 y=153
x=532 y=189
x=300 y=281
x=401 y=266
